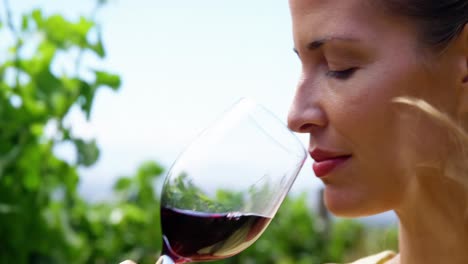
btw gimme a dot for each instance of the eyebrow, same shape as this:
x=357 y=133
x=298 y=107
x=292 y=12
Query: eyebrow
x=316 y=44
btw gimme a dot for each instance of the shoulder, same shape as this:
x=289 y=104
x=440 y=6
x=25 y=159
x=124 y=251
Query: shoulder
x=379 y=258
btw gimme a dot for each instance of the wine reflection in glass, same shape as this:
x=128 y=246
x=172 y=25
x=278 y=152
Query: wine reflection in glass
x=225 y=188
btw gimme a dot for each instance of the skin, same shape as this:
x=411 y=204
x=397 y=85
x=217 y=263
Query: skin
x=356 y=60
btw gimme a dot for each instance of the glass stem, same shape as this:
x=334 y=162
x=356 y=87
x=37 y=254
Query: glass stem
x=164 y=259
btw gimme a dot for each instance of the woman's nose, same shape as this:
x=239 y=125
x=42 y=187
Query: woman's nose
x=306 y=113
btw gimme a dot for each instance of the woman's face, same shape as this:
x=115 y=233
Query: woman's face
x=356 y=59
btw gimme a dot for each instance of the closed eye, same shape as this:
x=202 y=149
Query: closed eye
x=341 y=75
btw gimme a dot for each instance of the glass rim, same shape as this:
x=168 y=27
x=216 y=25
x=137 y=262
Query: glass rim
x=252 y=103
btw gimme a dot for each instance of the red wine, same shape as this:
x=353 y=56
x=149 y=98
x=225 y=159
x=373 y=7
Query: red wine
x=199 y=236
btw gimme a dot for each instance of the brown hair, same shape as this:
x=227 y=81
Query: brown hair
x=438 y=21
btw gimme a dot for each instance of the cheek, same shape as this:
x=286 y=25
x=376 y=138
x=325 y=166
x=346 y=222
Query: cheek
x=369 y=117
x=366 y=118
x=388 y=141
x=369 y=122
x=375 y=181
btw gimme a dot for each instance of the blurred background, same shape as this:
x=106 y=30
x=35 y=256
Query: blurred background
x=98 y=98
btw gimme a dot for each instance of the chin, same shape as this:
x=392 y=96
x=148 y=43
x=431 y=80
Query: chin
x=350 y=205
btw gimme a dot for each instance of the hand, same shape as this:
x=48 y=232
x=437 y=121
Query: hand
x=161 y=260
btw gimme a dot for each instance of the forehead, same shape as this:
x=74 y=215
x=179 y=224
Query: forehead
x=350 y=18
x=332 y=6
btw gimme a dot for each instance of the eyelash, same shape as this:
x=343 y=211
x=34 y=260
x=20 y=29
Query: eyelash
x=341 y=75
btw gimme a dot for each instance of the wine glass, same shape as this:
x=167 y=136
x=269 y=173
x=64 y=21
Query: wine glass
x=224 y=189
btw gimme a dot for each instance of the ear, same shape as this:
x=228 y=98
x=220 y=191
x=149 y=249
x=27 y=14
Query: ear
x=464 y=79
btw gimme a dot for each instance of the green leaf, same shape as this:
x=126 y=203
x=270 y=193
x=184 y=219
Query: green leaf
x=87 y=152
x=86 y=98
x=2 y=76
x=57 y=30
x=24 y=22
x=98 y=47
x=83 y=26
x=47 y=52
x=36 y=129
x=7 y=209
x=122 y=184
x=38 y=18
x=59 y=103
x=134 y=213
x=150 y=169
x=41 y=62
x=108 y=79
x=29 y=165
x=31 y=181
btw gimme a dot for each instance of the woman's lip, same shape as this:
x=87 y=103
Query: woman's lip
x=324 y=167
x=319 y=154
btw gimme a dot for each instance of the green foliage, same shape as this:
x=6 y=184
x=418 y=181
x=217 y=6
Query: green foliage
x=182 y=193
x=126 y=227
x=39 y=205
x=42 y=217
x=375 y=239
x=296 y=235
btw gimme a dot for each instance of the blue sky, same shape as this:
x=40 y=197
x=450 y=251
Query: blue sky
x=182 y=62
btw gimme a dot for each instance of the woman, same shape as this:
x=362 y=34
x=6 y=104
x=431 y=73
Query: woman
x=383 y=95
